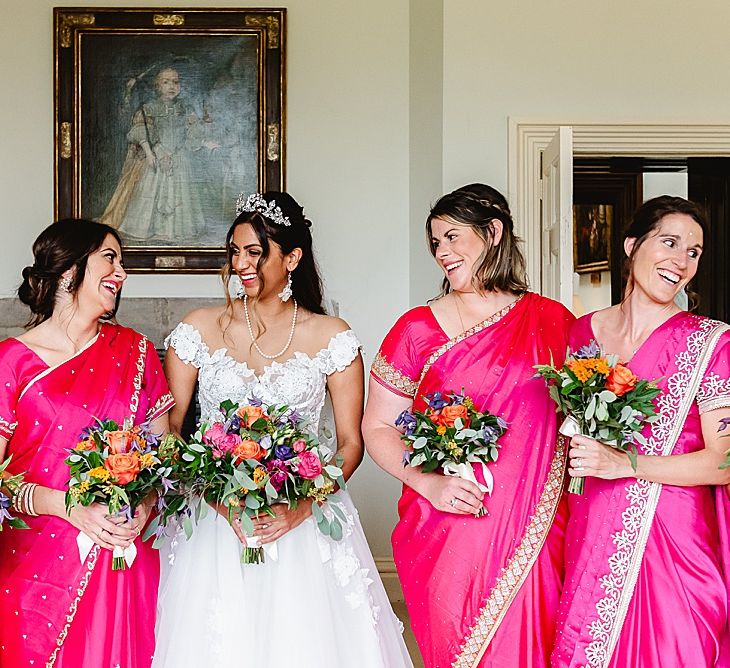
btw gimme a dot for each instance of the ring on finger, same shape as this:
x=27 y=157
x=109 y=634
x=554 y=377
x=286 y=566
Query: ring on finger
x=578 y=463
x=453 y=501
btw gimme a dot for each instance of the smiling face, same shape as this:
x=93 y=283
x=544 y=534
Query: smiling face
x=458 y=250
x=247 y=261
x=667 y=259
x=103 y=278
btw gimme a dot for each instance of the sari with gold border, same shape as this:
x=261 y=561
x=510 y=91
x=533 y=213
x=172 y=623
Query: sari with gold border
x=54 y=609
x=483 y=591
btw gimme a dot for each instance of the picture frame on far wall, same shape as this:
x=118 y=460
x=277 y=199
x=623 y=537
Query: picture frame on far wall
x=162 y=118
x=617 y=187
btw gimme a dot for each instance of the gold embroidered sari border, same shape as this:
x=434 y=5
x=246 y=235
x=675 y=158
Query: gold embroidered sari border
x=520 y=564
x=388 y=374
x=81 y=589
x=479 y=327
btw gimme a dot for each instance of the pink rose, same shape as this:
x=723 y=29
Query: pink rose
x=214 y=434
x=299 y=446
x=229 y=442
x=309 y=466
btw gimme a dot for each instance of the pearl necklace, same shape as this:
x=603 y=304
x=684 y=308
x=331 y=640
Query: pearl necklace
x=253 y=338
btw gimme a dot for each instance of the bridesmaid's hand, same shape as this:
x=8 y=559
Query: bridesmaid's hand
x=143 y=512
x=589 y=457
x=450 y=494
x=268 y=528
x=104 y=529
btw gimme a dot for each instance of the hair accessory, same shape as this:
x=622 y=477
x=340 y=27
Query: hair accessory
x=286 y=293
x=255 y=202
x=64 y=283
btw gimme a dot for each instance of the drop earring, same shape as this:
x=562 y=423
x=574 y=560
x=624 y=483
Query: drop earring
x=285 y=294
x=64 y=284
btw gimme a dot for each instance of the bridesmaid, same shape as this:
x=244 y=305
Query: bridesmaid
x=648 y=556
x=480 y=591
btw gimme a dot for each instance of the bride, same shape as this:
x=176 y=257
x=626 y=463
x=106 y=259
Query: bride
x=320 y=603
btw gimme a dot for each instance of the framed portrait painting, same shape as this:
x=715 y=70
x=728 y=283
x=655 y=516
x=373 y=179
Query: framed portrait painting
x=162 y=118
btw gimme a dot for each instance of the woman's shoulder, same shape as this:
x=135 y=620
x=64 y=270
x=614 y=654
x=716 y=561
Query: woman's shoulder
x=550 y=307
x=327 y=330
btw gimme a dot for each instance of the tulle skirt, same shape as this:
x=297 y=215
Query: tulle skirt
x=320 y=604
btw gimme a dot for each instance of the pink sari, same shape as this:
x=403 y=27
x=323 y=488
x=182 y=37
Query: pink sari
x=648 y=565
x=483 y=591
x=55 y=610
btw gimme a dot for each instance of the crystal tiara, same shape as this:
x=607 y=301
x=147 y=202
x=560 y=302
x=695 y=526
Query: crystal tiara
x=256 y=203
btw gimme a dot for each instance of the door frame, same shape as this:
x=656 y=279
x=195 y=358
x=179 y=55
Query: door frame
x=528 y=138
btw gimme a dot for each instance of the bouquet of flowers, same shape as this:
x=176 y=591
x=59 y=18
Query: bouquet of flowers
x=10 y=487
x=453 y=436
x=116 y=466
x=251 y=458
x=602 y=399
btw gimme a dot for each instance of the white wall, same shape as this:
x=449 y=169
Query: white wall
x=571 y=60
x=347 y=161
x=665 y=183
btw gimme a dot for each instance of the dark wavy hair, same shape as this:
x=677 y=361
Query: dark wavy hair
x=64 y=245
x=646 y=220
x=306 y=282
x=500 y=266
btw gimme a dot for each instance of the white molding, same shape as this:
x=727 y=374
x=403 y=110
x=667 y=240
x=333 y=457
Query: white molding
x=528 y=138
x=389 y=576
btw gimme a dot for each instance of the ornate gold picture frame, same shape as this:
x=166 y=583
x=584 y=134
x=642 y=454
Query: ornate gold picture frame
x=162 y=117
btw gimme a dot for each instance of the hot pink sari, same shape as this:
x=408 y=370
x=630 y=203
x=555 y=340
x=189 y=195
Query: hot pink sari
x=483 y=591
x=648 y=565
x=55 y=610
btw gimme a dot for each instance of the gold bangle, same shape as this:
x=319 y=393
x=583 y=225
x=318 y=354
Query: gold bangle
x=30 y=500
x=16 y=502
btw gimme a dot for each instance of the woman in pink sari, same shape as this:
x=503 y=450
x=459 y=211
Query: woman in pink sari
x=647 y=553
x=69 y=369
x=480 y=591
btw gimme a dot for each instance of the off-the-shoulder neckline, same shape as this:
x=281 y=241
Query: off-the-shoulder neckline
x=297 y=355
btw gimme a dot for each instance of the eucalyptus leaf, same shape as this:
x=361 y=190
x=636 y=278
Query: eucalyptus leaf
x=607 y=396
x=317 y=512
x=335 y=529
x=188 y=457
x=420 y=442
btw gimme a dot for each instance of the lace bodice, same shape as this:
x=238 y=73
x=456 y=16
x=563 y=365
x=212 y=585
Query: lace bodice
x=300 y=381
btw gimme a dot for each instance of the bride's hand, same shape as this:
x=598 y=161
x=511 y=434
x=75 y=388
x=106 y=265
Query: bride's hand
x=236 y=526
x=450 y=494
x=268 y=528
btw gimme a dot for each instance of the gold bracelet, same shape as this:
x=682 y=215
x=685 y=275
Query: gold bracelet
x=16 y=497
x=30 y=500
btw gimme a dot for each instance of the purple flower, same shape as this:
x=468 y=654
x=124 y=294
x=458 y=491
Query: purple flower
x=406 y=420
x=4 y=505
x=283 y=452
x=295 y=417
x=233 y=425
x=502 y=424
x=456 y=398
x=589 y=351
x=436 y=401
x=489 y=434
x=406 y=457
x=265 y=442
x=254 y=401
x=724 y=424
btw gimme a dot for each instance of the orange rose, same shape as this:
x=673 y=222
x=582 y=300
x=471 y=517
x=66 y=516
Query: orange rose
x=119 y=441
x=249 y=415
x=449 y=414
x=123 y=466
x=248 y=449
x=620 y=380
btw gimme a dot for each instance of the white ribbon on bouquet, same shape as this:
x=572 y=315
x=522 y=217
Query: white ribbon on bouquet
x=465 y=471
x=270 y=549
x=85 y=543
x=570 y=427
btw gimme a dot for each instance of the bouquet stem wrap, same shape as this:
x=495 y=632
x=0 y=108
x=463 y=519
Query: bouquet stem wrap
x=253 y=553
x=122 y=557
x=465 y=471
x=570 y=428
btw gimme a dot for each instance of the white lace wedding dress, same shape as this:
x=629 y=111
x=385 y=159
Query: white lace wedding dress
x=321 y=604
